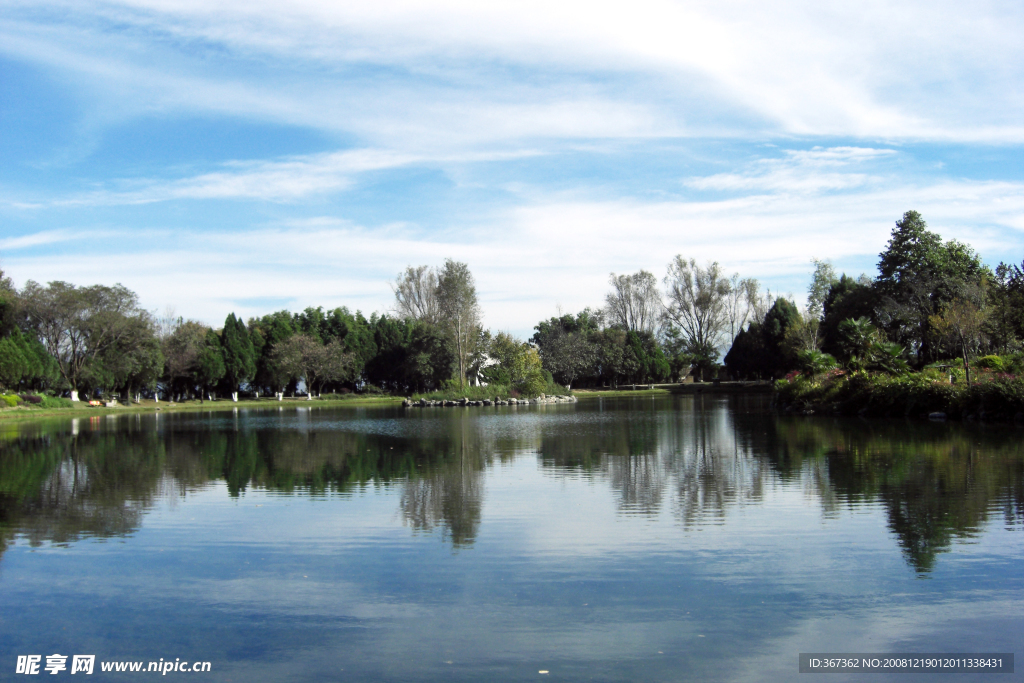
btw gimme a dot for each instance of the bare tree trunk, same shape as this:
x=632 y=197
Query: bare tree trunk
x=967 y=366
x=462 y=361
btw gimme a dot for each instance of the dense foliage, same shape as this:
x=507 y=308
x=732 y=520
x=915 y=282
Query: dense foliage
x=933 y=303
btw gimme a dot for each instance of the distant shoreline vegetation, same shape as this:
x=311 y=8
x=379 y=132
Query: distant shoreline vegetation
x=993 y=397
x=933 y=309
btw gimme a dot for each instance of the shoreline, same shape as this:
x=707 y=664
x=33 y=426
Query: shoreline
x=150 y=406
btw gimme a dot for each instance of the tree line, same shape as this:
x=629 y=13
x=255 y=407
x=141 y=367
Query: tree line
x=98 y=341
x=930 y=300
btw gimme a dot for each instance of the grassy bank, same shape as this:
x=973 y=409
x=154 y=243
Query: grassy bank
x=998 y=398
x=26 y=411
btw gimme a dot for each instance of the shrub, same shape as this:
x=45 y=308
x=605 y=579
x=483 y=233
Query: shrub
x=815 y=362
x=556 y=389
x=55 y=402
x=32 y=398
x=991 y=363
x=534 y=383
x=917 y=394
x=450 y=391
x=10 y=400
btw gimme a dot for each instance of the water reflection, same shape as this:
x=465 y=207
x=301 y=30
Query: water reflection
x=695 y=457
x=937 y=483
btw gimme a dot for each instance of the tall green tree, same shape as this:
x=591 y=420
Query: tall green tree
x=917 y=275
x=765 y=348
x=271 y=330
x=649 y=362
x=13 y=365
x=748 y=358
x=389 y=367
x=181 y=346
x=565 y=346
x=315 y=362
x=239 y=354
x=1006 y=299
x=847 y=299
x=79 y=324
x=210 y=367
x=460 y=311
x=135 y=361
x=355 y=334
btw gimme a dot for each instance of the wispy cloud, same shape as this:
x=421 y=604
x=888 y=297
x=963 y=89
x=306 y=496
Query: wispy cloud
x=835 y=168
x=37 y=239
x=280 y=180
x=579 y=138
x=924 y=70
x=528 y=258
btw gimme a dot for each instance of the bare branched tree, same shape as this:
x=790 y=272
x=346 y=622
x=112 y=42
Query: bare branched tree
x=761 y=304
x=821 y=282
x=167 y=323
x=697 y=302
x=740 y=303
x=416 y=294
x=634 y=302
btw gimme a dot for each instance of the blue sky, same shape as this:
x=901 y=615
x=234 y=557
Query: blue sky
x=252 y=156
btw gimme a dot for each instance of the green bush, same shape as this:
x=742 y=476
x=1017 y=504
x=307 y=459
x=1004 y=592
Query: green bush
x=533 y=384
x=1014 y=363
x=555 y=389
x=10 y=400
x=995 y=363
x=915 y=394
x=55 y=402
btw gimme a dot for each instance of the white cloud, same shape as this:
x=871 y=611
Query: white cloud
x=47 y=237
x=800 y=171
x=920 y=70
x=444 y=84
x=269 y=180
x=286 y=179
x=529 y=258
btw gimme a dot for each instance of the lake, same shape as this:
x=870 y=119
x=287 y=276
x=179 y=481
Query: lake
x=682 y=538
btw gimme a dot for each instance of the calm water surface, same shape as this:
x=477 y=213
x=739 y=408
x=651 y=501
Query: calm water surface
x=671 y=539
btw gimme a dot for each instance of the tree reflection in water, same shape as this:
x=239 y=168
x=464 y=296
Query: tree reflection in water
x=699 y=456
x=936 y=482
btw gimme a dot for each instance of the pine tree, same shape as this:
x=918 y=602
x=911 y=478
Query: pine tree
x=239 y=354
